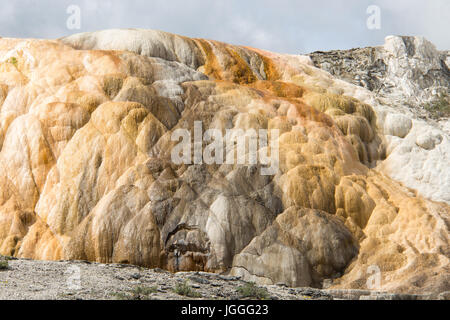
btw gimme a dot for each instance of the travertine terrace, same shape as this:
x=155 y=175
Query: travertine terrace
x=86 y=172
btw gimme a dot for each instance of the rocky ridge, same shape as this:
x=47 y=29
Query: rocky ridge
x=405 y=72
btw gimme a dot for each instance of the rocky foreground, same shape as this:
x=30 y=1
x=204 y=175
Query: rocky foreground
x=362 y=180
x=82 y=280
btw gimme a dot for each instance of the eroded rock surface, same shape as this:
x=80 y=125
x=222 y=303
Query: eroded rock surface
x=86 y=170
x=410 y=80
x=407 y=71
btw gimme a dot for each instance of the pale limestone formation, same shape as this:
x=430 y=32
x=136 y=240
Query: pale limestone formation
x=411 y=82
x=86 y=170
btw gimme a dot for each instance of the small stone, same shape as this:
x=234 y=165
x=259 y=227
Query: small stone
x=198 y=280
x=215 y=284
x=159 y=270
x=136 y=276
x=229 y=278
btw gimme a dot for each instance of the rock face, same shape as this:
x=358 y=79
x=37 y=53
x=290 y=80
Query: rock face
x=86 y=126
x=406 y=71
x=409 y=74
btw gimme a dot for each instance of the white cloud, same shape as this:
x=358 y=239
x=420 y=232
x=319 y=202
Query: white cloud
x=291 y=26
x=248 y=33
x=430 y=19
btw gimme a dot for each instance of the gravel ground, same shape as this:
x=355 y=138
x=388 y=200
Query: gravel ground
x=69 y=280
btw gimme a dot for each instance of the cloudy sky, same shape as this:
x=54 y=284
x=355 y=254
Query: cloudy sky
x=290 y=26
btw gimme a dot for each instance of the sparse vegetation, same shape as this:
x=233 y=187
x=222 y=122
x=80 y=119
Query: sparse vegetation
x=439 y=107
x=4 y=264
x=112 y=85
x=144 y=291
x=184 y=289
x=138 y=293
x=13 y=61
x=251 y=290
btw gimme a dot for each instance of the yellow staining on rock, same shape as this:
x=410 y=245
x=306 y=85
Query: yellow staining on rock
x=211 y=67
x=280 y=89
x=3 y=93
x=356 y=120
x=112 y=84
x=270 y=69
x=337 y=105
x=280 y=123
x=223 y=62
x=352 y=198
x=310 y=186
x=239 y=68
x=90 y=102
